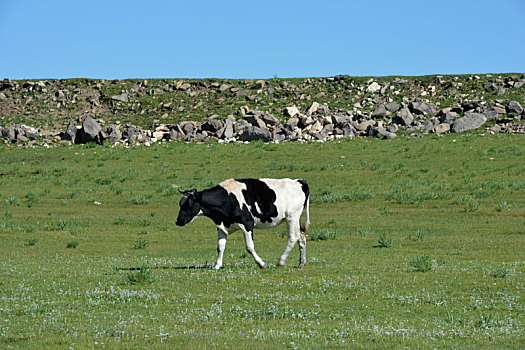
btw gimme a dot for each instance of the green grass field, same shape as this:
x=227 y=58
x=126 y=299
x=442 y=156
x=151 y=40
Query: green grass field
x=416 y=243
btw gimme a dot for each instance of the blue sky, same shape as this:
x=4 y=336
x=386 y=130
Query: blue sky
x=259 y=39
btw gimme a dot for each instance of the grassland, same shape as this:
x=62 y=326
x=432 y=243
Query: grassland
x=415 y=243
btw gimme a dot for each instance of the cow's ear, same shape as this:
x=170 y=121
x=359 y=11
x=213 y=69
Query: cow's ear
x=190 y=193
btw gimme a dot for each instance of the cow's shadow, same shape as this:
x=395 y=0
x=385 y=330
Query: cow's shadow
x=186 y=267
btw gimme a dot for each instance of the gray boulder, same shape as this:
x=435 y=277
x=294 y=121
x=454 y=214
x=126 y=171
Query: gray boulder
x=373 y=87
x=323 y=109
x=212 y=125
x=270 y=119
x=339 y=120
x=515 y=108
x=373 y=131
x=224 y=87
x=60 y=95
x=392 y=107
x=430 y=124
x=495 y=128
x=348 y=130
x=255 y=133
x=9 y=132
x=255 y=120
x=380 y=112
x=422 y=108
x=491 y=114
x=448 y=117
x=110 y=133
x=131 y=131
x=291 y=111
x=328 y=129
x=363 y=126
x=229 y=127
x=70 y=134
x=468 y=122
x=441 y=128
x=122 y=97
x=176 y=135
x=279 y=135
x=291 y=123
x=89 y=131
x=404 y=117
x=21 y=138
x=188 y=128
x=393 y=128
x=269 y=91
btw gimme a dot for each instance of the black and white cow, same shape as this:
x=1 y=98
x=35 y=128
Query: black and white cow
x=251 y=203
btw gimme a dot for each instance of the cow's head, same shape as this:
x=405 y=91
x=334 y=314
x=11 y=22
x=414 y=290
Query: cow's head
x=189 y=207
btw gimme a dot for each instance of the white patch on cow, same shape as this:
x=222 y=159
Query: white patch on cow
x=235 y=187
x=257 y=209
x=223 y=228
x=196 y=216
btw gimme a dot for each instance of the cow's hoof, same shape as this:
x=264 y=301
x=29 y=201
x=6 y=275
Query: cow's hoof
x=216 y=267
x=300 y=266
x=279 y=266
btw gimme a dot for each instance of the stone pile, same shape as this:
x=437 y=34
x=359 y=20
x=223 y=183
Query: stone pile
x=316 y=123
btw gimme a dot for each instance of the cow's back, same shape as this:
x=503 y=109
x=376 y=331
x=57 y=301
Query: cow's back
x=290 y=194
x=269 y=201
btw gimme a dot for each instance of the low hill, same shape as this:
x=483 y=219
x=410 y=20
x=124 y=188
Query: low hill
x=51 y=104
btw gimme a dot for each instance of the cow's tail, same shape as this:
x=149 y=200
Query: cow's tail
x=306 y=191
x=306 y=224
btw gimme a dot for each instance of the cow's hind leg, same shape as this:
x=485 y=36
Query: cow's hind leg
x=292 y=224
x=302 y=250
x=248 y=239
x=221 y=245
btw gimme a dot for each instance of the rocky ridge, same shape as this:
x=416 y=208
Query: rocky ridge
x=130 y=111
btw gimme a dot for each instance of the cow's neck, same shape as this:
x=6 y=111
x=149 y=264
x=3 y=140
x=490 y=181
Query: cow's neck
x=212 y=205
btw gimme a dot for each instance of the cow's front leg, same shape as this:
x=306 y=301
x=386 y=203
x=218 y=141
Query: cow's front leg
x=248 y=239
x=292 y=224
x=221 y=245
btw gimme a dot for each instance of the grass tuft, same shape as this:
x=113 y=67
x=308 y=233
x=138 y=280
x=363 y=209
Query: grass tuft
x=364 y=231
x=144 y=276
x=323 y=234
x=422 y=263
x=31 y=241
x=499 y=271
x=417 y=236
x=502 y=206
x=140 y=243
x=72 y=244
x=384 y=241
x=12 y=201
x=142 y=199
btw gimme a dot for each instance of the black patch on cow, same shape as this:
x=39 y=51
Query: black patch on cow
x=306 y=190
x=258 y=192
x=224 y=208
x=189 y=207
